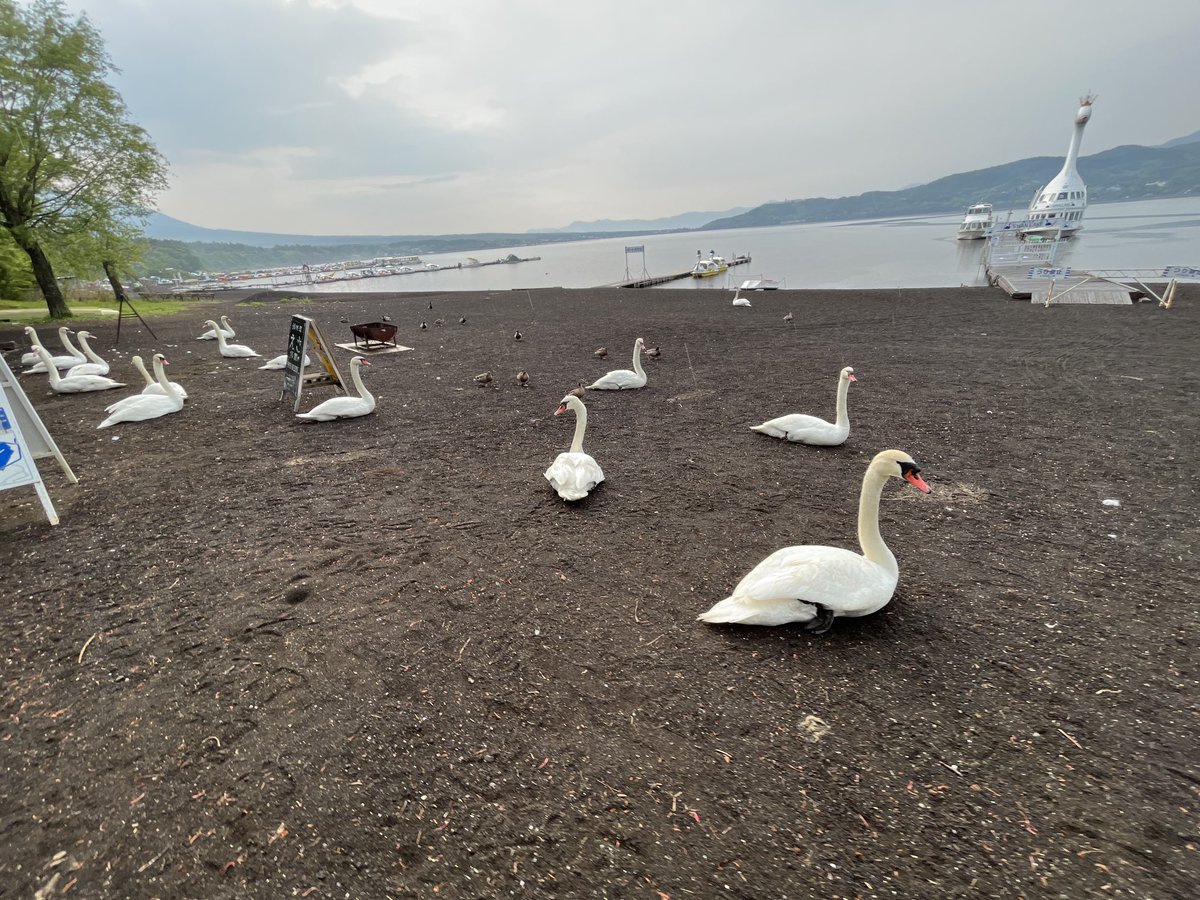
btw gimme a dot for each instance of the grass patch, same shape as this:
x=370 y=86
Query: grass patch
x=33 y=312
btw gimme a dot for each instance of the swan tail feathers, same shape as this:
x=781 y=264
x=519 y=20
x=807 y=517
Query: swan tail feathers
x=741 y=610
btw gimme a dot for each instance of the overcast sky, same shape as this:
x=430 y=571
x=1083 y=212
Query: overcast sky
x=450 y=116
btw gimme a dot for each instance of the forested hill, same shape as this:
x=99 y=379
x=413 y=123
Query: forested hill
x=1122 y=173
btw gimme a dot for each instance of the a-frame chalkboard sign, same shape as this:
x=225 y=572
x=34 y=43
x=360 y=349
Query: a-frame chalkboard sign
x=23 y=438
x=304 y=340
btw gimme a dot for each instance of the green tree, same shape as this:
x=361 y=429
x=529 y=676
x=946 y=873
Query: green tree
x=71 y=161
x=16 y=279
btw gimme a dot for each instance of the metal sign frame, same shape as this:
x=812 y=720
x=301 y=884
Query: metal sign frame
x=24 y=439
x=303 y=337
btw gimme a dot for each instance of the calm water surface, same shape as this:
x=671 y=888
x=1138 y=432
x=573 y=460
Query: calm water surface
x=879 y=253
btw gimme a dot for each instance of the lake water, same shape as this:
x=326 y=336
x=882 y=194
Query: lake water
x=880 y=253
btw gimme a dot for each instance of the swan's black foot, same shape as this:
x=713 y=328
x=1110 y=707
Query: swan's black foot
x=823 y=622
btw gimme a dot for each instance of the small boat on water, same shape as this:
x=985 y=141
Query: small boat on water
x=976 y=223
x=707 y=268
x=760 y=284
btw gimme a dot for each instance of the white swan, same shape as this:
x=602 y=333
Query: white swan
x=152 y=385
x=230 y=351
x=623 y=379
x=739 y=301
x=280 y=362
x=75 y=384
x=809 y=429
x=813 y=583
x=574 y=473
x=97 y=366
x=344 y=407
x=58 y=362
x=225 y=329
x=141 y=407
x=30 y=358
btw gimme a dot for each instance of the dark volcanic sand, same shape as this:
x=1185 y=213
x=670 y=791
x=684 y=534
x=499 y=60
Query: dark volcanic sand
x=381 y=658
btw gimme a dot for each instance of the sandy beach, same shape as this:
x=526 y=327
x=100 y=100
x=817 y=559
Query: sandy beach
x=380 y=658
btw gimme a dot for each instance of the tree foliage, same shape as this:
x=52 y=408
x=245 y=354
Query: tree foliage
x=74 y=169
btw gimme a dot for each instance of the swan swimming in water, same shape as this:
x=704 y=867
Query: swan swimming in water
x=624 y=379
x=803 y=429
x=344 y=407
x=813 y=583
x=142 y=407
x=573 y=473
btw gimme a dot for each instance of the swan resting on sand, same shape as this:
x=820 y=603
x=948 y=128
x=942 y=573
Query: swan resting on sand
x=344 y=407
x=814 y=584
x=573 y=474
x=624 y=379
x=802 y=429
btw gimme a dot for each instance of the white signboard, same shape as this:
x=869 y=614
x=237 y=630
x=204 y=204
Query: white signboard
x=23 y=438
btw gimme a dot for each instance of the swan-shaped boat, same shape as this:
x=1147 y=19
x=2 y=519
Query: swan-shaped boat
x=141 y=407
x=96 y=366
x=624 y=379
x=803 y=429
x=280 y=362
x=152 y=386
x=73 y=357
x=815 y=584
x=74 y=384
x=225 y=328
x=230 y=351
x=573 y=473
x=344 y=407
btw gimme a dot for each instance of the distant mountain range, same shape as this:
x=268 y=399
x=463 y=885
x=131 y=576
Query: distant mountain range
x=1129 y=172
x=683 y=221
x=1123 y=173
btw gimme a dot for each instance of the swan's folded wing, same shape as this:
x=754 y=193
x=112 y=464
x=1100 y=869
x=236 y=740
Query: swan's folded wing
x=573 y=475
x=838 y=579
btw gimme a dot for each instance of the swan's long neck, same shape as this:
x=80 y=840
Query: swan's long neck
x=141 y=367
x=843 y=417
x=88 y=351
x=160 y=374
x=356 y=375
x=869 y=539
x=34 y=340
x=72 y=350
x=51 y=369
x=220 y=336
x=637 y=363
x=580 y=427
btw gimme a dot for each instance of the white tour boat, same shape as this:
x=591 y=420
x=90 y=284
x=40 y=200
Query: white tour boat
x=976 y=223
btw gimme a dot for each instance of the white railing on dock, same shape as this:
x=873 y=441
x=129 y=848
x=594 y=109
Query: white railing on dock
x=1010 y=248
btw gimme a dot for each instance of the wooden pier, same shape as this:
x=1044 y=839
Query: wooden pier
x=1026 y=270
x=651 y=281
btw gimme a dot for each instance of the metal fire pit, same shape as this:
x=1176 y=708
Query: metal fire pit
x=378 y=333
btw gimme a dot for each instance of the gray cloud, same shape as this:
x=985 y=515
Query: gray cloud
x=391 y=116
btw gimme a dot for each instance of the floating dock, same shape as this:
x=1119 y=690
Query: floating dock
x=1025 y=269
x=651 y=281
